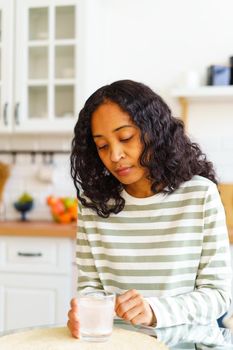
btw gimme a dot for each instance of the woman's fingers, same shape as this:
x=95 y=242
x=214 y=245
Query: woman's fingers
x=131 y=306
x=74 y=304
x=125 y=296
x=132 y=313
x=73 y=320
x=74 y=328
x=126 y=308
x=73 y=316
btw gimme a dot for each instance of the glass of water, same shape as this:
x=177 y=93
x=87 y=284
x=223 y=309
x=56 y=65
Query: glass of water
x=96 y=313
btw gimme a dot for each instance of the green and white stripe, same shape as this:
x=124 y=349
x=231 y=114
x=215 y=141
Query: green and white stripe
x=172 y=248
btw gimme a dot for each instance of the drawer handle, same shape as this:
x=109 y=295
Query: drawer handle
x=29 y=254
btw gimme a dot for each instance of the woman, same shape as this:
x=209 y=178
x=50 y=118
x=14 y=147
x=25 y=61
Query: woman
x=151 y=223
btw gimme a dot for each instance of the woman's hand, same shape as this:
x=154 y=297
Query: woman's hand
x=131 y=306
x=73 y=320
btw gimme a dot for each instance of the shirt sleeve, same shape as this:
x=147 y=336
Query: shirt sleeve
x=204 y=336
x=88 y=277
x=212 y=294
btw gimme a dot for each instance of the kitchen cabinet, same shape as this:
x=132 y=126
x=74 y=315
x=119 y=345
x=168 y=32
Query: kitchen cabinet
x=6 y=66
x=39 y=56
x=36 y=281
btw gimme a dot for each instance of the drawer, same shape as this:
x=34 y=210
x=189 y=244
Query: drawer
x=35 y=254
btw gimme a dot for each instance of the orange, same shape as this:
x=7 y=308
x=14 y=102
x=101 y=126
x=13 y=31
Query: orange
x=64 y=218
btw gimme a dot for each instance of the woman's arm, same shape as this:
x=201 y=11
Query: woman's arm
x=212 y=294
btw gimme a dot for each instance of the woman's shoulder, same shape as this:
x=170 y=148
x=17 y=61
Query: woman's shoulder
x=198 y=184
x=200 y=181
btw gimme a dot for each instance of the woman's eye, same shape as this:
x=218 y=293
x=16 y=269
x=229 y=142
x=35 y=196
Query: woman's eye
x=102 y=147
x=126 y=139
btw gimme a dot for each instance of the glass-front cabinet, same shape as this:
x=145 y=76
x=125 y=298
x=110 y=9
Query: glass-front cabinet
x=6 y=68
x=46 y=87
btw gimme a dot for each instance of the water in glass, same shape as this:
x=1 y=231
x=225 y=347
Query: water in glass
x=96 y=310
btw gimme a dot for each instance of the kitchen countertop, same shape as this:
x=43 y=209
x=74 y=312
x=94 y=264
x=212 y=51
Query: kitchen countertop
x=50 y=229
x=37 y=228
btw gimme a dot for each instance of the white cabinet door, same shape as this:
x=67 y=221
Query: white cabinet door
x=46 y=67
x=6 y=65
x=30 y=300
x=36 y=281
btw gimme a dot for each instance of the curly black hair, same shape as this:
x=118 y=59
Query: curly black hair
x=168 y=153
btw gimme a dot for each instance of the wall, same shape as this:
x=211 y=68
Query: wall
x=156 y=42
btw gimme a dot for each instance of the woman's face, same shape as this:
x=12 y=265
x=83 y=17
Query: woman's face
x=119 y=147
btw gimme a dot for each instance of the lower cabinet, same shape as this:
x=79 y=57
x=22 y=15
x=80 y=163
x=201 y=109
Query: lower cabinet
x=35 y=281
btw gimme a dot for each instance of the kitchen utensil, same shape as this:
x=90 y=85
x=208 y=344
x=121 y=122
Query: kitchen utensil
x=4 y=175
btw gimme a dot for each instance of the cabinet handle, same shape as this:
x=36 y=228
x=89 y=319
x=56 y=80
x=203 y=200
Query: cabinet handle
x=17 y=113
x=29 y=254
x=5 y=117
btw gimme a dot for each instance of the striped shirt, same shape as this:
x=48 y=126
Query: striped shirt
x=172 y=248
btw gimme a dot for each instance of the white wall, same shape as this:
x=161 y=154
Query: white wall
x=156 y=42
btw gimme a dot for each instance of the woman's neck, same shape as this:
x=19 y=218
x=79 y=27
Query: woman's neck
x=142 y=191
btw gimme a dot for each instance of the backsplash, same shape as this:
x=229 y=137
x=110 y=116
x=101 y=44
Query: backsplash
x=39 y=179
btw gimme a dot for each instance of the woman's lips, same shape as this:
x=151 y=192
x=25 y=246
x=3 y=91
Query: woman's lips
x=123 y=171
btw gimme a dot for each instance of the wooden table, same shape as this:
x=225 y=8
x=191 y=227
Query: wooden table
x=60 y=339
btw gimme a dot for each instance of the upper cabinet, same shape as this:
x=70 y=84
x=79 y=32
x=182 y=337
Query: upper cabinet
x=6 y=67
x=39 y=65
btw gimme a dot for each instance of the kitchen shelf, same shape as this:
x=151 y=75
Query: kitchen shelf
x=221 y=92
x=201 y=94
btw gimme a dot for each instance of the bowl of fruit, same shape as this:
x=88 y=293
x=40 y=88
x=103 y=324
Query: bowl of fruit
x=64 y=210
x=24 y=204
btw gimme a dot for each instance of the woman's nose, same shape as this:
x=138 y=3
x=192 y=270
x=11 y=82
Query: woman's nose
x=117 y=153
